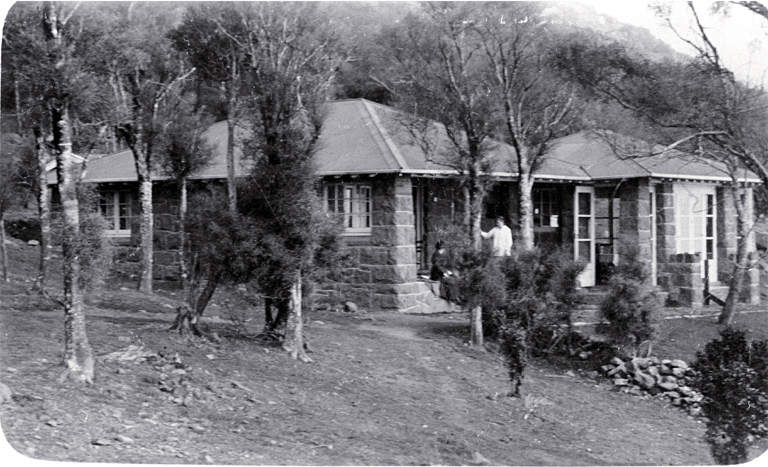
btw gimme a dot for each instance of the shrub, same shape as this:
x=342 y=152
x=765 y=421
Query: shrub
x=535 y=320
x=732 y=375
x=24 y=229
x=541 y=297
x=631 y=306
x=92 y=246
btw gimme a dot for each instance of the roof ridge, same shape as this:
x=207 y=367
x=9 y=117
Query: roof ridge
x=393 y=149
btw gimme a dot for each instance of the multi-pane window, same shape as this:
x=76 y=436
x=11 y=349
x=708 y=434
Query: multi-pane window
x=546 y=207
x=353 y=203
x=546 y=215
x=115 y=207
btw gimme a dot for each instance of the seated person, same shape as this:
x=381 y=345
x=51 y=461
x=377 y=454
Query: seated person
x=449 y=282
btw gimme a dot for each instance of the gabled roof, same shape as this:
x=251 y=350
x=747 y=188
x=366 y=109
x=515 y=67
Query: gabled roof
x=362 y=137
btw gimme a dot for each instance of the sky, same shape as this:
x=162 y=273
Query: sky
x=741 y=37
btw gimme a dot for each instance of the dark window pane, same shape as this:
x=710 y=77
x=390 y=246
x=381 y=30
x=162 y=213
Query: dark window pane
x=584 y=251
x=585 y=204
x=584 y=223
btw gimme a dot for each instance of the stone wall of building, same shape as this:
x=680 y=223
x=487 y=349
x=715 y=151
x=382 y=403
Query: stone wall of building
x=635 y=220
x=167 y=239
x=382 y=272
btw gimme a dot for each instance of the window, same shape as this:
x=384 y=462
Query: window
x=353 y=202
x=115 y=207
x=546 y=215
x=546 y=207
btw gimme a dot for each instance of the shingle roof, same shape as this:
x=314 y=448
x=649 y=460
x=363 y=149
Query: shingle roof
x=362 y=137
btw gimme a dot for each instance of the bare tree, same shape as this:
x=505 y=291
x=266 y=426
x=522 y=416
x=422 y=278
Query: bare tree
x=142 y=70
x=538 y=106
x=440 y=83
x=698 y=107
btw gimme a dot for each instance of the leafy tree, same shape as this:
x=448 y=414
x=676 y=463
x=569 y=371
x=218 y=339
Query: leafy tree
x=290 y=70
x=631 y=306
x=221 y=247
x=213 y=38
x=732 y=375
x=184 y=152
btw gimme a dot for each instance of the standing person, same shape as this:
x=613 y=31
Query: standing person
x=501 y=238
x=449 y=283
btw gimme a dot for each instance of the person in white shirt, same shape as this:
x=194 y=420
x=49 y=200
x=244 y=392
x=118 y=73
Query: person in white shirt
x=501 y=238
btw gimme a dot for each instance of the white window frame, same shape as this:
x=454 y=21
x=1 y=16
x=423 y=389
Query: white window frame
x=113 y=198
x=354 y=205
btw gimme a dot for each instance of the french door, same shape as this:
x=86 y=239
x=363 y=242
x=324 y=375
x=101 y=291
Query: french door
x=584 y=232
x=695 y=222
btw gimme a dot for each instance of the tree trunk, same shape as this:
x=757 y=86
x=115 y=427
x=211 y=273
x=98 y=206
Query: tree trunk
x=44 y=214
x=294 y=336
x=78 y=356
x=147 y=220
x=3 y=249
x=525 y=188
x=743 y=227
x=183 y=268
x=231 y=188
x=475 y=205
x=17 y=103
x=188 y=315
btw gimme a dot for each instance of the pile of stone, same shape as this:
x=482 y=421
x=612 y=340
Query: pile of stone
x=661 y=378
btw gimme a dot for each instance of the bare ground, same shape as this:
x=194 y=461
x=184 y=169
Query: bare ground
x=384 y=389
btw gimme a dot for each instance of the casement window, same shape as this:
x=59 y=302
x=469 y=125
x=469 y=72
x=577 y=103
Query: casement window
x=115 y=207
x=352 y=202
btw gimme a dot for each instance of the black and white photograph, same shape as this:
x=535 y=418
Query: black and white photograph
x=384 y=233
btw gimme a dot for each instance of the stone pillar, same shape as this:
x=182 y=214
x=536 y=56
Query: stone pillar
x=726 y=233
x=635 y=221
x=665 y=231
x=685 y=283
x=727 y=244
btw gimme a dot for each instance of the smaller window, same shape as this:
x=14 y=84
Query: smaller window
x=353 y=203
x=115 y=207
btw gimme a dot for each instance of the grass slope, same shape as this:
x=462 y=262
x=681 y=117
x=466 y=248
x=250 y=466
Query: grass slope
x=384 y=389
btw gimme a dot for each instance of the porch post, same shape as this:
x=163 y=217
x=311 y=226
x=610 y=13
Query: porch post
x=665 y=231
x=634 y=219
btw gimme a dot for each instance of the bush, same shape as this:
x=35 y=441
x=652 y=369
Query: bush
x=24 y=229
x=732 y=375
x=541 y=297
x=631 y=307
x=92 y=246
x=535 y=320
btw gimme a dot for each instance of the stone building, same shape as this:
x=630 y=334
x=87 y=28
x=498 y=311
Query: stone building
x=395 y=195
